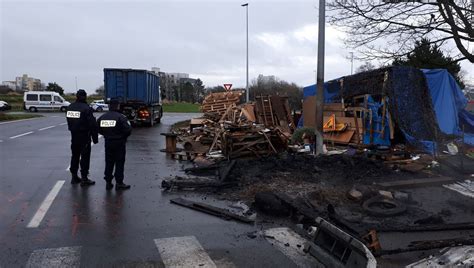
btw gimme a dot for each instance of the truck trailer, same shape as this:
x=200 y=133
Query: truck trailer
x=138 y=92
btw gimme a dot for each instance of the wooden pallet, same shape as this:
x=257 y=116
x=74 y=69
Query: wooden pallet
x=183 y=156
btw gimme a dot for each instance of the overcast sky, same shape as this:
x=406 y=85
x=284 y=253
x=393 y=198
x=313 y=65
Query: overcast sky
x=57 y=41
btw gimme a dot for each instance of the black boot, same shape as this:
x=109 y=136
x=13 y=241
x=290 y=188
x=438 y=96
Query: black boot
x=109 y=185
x=122 y=186
x=75 y=179
x=86 y=182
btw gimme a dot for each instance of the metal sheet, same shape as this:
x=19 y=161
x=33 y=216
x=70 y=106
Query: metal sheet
x=448 y=257
x=465 y=188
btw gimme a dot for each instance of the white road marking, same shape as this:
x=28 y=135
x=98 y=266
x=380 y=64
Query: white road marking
x=43 y=209
x=183 y=252
x=282 y=236
x=21 y=120
x=1 y=141
x=62 y=124
x=55 y=257
x=21 y=135
x=41 y=129
x=67 y=169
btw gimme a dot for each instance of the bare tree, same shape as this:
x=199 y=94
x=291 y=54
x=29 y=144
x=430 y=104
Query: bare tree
x=389 y=28
x=367 y=66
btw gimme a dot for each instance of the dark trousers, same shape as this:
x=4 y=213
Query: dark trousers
x=81 y=153
x=114 y=157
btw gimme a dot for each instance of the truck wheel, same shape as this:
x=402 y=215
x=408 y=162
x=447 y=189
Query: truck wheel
x=33 y=109
x=99 y=109
x=63 y=109
x=158 y=120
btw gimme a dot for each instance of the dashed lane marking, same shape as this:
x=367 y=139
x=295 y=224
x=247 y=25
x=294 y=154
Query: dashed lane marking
x=62 y=124
x=287 y=241
x=183 y=252
x=21 y=135
x=41 y=129
x=67 y=257
x=45 y=205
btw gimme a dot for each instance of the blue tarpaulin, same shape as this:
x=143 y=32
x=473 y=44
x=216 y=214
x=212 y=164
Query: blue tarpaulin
x=378 y=136
x=332 y=91
x=449 y=103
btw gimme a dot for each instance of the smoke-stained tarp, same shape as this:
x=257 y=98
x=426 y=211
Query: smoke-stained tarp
x=409 y=99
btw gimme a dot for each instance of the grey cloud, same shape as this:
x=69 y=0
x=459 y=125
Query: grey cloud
x=56 y=41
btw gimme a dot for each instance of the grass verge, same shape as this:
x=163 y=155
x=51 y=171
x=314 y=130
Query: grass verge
x=12 y=117
x=181 y=107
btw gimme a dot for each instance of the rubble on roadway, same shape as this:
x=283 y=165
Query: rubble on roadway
x=388 y=167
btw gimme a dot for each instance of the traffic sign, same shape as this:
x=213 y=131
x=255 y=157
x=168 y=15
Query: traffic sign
x=227 y=86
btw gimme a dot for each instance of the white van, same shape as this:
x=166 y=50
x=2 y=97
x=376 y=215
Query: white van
x=44 y=100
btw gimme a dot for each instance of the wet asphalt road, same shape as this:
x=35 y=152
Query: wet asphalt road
x=91 y=227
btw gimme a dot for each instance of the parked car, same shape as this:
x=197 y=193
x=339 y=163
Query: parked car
x=4 y=106
x=99 y=106
x=44 y=100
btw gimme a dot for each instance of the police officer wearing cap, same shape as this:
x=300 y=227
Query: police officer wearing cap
x=115 y=128
x=82 y=125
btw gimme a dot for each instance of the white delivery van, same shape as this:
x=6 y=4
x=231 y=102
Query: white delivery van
x=45 y=101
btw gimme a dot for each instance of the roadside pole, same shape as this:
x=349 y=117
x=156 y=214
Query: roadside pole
x=320 y=78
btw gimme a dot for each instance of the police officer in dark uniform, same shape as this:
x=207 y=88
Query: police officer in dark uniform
x=115 y=128
x=81 y=122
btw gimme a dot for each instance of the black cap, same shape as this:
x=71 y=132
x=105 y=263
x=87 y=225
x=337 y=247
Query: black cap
x=81 y=93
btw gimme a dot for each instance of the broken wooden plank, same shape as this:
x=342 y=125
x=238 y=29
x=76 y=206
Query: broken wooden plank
x=430 y=228
x=416 y=182
x=309 y=112
x=194 y=183
x=211 y=210
x=430 y=244
x=339 y=137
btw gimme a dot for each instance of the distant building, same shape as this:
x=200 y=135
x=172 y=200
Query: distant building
x=9 y=84
x=26 y=83
x=170 y=83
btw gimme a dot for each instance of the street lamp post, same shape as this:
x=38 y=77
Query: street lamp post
x=320 y=78
x=246 y=5
x=352 y=61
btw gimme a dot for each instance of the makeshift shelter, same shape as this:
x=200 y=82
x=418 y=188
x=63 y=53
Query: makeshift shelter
x=419 y=105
